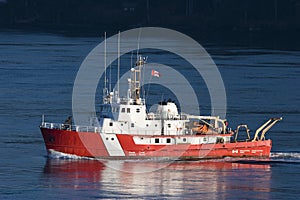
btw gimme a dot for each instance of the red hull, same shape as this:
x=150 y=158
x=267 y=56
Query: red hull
x=90 y=144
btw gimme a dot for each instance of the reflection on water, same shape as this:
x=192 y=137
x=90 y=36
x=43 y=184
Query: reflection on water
x=214 y=179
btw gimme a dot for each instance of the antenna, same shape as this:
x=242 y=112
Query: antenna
x=110 y=76
x=105 y=78
x=118 y=63
x=43 y=120
x=138 y=47
x=105 y=59
x=131 y=59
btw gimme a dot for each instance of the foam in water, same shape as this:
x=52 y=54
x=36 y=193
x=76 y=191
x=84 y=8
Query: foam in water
x=285 y=155
x=59 y=155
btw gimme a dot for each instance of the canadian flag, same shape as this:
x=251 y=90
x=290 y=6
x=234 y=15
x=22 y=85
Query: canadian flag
x=155 y=73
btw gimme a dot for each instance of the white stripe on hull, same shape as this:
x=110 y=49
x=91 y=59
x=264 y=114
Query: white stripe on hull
x=112 y=144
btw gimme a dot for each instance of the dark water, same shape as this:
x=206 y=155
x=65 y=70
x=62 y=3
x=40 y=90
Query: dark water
x=37 y=72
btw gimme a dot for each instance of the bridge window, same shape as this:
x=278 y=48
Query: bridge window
x=169 y=125
x=110 y=124
x=132 y=125
x=128 y=110
x=156 y=140
x=168 y=140
x=123 y=110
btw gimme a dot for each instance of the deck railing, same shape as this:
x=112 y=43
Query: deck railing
x=69 y=127
x=96 y=129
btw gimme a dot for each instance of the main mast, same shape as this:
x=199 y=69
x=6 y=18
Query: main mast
x=136 y=81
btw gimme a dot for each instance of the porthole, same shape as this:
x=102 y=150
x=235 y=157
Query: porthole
x=184 y=139
x=112 y=139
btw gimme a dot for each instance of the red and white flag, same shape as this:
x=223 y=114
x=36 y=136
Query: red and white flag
x=155 y=73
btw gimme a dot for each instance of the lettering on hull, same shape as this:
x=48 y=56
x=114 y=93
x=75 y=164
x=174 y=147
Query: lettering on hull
x=255 y=151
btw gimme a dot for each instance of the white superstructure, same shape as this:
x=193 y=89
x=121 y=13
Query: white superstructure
x=129 y=115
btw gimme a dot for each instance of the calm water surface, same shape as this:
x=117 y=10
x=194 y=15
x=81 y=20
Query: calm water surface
x=37 y=72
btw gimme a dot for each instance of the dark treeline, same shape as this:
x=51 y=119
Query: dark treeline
x=189 y=15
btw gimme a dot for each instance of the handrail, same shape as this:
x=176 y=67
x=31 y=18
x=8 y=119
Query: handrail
x=71 y=127
x=97 y=129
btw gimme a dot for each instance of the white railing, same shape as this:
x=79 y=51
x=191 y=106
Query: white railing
x=156 y=116
x=69 y=127
x=96 y=129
